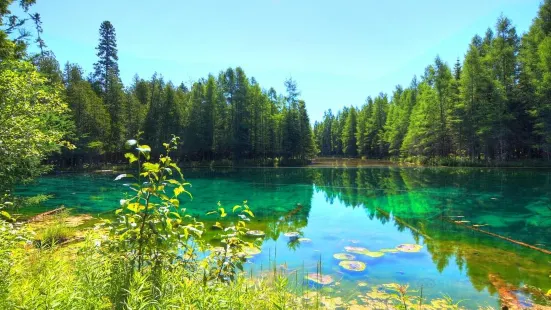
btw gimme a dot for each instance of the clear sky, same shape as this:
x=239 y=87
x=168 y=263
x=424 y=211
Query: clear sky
x=338 y=51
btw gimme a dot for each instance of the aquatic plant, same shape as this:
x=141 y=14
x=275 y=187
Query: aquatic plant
x=355 y=250
x=352 y=265
x=344 y=256
x=409 y=248
x=394 y=250
x=373 y=254
x=320 y=279
x=363 y=251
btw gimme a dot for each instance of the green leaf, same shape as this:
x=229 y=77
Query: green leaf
x=235 y=208
x=135 y=207
x=131 y=157
x=178 y=190
x=222 y=212
x=6 y=215
x=249 y=212
x=144 y=148
x=151 y=167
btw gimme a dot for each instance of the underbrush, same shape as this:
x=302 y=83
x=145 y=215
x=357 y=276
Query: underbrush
x=55 y=232
x=459 y=161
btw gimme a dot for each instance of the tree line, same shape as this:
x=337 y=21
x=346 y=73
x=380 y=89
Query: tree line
x=495 y=105
x=228 y=116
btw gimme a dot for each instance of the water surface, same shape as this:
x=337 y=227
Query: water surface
x=374 y=208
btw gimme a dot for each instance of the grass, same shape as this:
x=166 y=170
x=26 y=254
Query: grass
x=54 y=231
x=83 y=276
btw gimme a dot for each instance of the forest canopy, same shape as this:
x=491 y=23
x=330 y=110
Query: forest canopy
x=494 y=105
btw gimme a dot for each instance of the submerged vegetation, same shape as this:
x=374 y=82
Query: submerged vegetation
x=154 y=255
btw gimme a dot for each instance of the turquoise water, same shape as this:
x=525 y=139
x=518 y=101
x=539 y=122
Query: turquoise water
x=374 y=208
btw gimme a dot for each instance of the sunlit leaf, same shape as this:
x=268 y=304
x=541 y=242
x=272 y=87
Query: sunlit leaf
x=144 y=148
x=131 y=157
x=150 y=167
x=120 y=176
x=131 y=142
x=235 y=208
x=178 y=190
x=6 y=215
x=249 y=212
x=135 y=207
x=222 y=212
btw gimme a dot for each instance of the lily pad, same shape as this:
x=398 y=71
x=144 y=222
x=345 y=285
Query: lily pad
x=373 y=254
x=389 y=250
x=352 y=265
x=320 y=279
x=251 y=250
x=356 y=250
x=344 y=256
x=292 y=235
x=255 y=233
x=409 y=248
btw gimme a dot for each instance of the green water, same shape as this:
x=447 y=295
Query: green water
x=374 y=208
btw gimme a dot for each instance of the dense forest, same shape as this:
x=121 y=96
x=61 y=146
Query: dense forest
x=495 y=105
x=228 y=116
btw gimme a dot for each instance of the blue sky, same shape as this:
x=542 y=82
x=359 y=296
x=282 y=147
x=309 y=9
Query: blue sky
x=339 y=52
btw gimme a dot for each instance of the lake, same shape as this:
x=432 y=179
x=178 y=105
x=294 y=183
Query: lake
x=361 y=211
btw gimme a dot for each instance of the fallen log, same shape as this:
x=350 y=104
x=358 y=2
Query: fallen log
x=41 y=216
x=533 y=247
x=402 y=222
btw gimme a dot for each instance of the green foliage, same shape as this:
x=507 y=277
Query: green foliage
x=492 y=107
x=28 y=109
x=55 y=233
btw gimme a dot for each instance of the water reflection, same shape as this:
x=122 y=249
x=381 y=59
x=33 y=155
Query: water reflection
x=377 y=208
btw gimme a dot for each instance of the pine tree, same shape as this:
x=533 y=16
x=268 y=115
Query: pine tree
x=350 y=147
x=107 y=83
x=107 y=53
x=91 y=118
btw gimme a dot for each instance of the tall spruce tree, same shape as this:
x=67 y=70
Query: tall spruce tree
x=107 y=83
